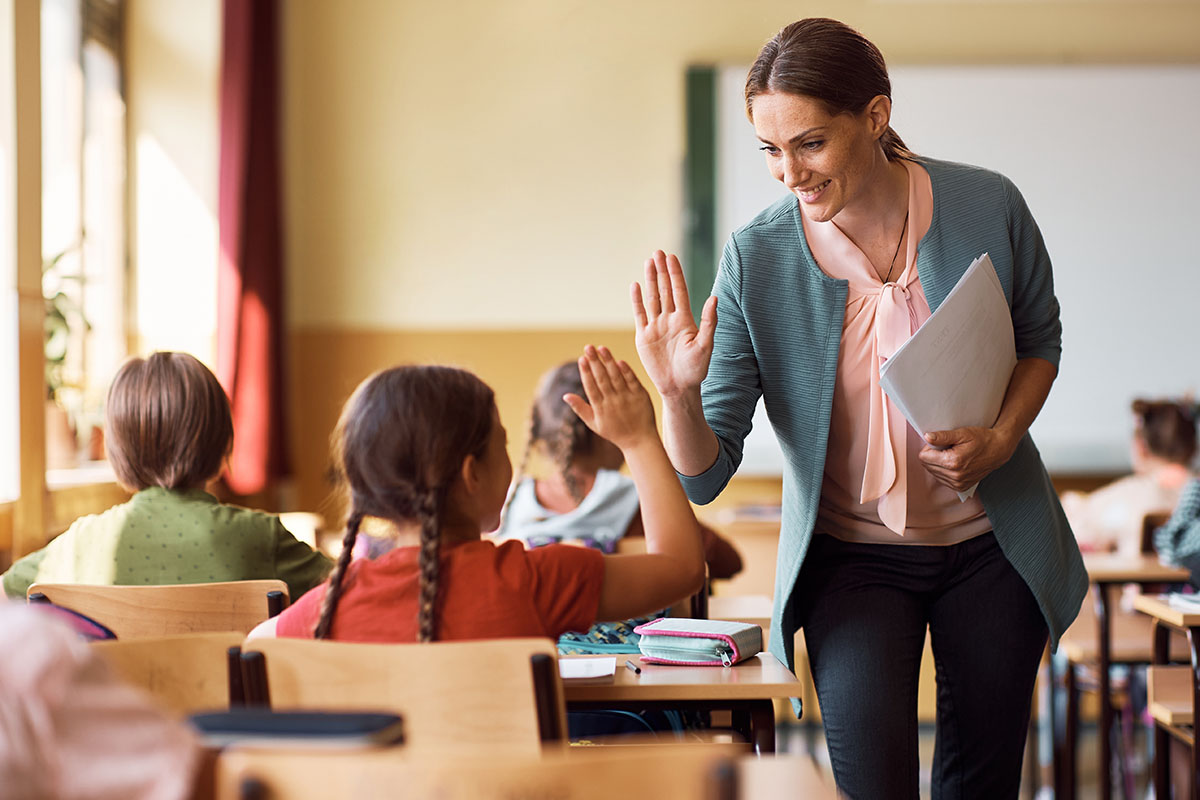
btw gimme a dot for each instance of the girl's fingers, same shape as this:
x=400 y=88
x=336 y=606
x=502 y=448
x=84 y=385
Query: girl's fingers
x=639 y=309
x=585 y=374
x=631 y=380
x=613 y=367
x=602 y=369
x=653 y=305
x=580 y=407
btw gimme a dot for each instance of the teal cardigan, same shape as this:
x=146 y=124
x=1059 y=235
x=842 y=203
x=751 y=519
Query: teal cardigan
x=779 y=322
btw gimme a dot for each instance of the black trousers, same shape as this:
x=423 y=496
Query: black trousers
x=865 y=609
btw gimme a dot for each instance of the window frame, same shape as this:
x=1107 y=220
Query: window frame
x=39 y=512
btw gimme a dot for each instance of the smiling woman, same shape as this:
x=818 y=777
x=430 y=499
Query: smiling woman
x=876 y=548
x=1085 y=426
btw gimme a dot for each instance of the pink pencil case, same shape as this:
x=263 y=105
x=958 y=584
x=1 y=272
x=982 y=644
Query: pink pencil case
x=698 y=642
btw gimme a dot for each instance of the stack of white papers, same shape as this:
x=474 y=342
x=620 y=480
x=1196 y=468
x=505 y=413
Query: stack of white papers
x=1185 y=602
x=587 y=667
x=954 y=371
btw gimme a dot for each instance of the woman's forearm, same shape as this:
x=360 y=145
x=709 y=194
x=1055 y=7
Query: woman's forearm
x=690 y=443
x=1027 y=391
x=961 y=457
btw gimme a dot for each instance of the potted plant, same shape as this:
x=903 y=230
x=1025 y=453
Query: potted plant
x=63 y=325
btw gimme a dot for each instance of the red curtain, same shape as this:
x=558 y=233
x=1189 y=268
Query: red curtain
x=250 y=275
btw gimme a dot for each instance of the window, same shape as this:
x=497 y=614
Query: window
x=83 y=221
x=9 y=437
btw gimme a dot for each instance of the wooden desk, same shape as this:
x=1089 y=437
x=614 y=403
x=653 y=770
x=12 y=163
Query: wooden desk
x=783 y=776
x=1106 y=570
x=745 y=689
x=1173 y=702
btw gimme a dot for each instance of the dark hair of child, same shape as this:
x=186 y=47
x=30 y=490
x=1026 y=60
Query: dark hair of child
x=168 y=423
x=400 y=442
x=1168 y=428
x=554 y=425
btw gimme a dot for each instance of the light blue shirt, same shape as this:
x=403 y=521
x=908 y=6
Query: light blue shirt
x=600 y=520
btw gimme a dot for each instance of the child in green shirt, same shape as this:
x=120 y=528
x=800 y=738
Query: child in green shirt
x=168 y=433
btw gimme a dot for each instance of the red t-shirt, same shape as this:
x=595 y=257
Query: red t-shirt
x=485 y=591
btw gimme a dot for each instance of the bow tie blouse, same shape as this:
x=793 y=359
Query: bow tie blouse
x=875 y=488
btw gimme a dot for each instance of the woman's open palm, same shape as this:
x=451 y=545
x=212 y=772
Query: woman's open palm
x=673 y=350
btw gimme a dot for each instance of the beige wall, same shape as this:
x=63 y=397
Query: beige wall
x=173 y=52
x=482 y=164
x=478 y=181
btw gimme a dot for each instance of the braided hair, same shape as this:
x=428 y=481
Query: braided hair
x=398 y=445
x=557 y=428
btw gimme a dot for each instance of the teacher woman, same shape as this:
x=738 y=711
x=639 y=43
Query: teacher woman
x=875 y=547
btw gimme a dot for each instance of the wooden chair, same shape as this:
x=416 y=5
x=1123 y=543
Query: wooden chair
x=186 y=674
x=140 y=611
x=501 y=693
x=1173 y=695
x=1131 y=636
x=1150 y=523
x=666 y=772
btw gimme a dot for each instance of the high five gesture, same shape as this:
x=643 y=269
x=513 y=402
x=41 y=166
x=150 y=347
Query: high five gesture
x=676 y=355
x=673 y=350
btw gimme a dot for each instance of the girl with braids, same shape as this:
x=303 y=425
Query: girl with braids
x=423 y=451
x=582 y=498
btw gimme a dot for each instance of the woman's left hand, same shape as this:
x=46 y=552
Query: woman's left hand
x=962 y=457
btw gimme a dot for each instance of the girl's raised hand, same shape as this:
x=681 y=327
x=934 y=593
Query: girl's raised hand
x=617 y=408
x=673 y=350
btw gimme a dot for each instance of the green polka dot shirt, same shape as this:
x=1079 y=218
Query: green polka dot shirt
x=168 y=536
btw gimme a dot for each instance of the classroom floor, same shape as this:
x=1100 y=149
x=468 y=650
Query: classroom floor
x=809 y=739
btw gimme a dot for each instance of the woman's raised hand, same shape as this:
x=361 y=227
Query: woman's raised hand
x=673 y=350
x=617 y=407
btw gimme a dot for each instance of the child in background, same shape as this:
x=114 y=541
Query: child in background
x=1178 y=541
x=584 y=499
x=422 y=449
x=168 y=431
x=1164 y=443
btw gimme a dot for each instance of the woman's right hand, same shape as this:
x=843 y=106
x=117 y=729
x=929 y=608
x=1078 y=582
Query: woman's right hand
x=673 y=350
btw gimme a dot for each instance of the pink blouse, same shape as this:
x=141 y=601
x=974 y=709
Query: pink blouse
x=875 y=489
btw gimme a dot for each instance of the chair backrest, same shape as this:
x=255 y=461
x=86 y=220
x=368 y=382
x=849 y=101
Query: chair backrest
x=499 y=693
x=1150 y=523
x=663 y=772
x=139 y=611
x=186 y=674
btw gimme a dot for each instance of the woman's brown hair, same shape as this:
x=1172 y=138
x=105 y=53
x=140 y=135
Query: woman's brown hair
x=1168 y=428
x=398 y=446
x=167 y=423
x=828 y=61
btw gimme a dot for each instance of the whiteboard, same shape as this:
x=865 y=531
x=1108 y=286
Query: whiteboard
x=1108 y=159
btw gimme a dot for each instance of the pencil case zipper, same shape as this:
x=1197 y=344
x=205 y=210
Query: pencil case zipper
x=705 y=654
